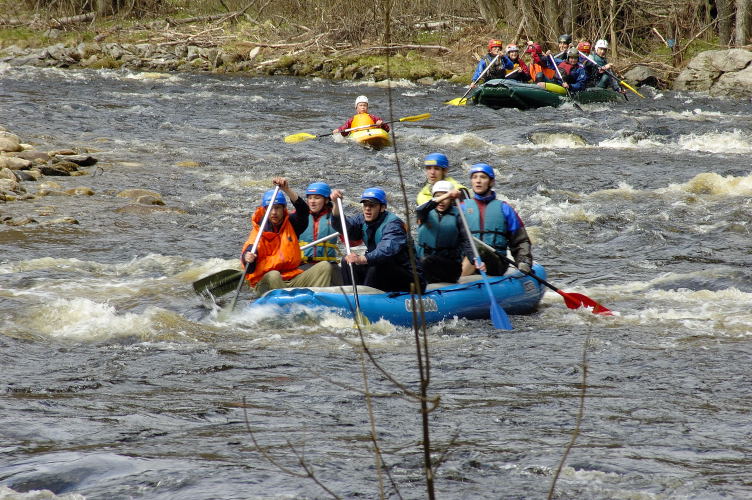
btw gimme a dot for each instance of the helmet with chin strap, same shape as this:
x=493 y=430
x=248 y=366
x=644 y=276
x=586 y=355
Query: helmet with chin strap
x=601 y=44
x=319 y=188
x=494 y=43
x=374 y=193
x=565 y=38
x=278 y=200
x=484 y=168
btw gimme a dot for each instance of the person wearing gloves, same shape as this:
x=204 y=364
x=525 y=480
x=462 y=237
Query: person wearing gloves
x=495 y=223
x=362 y=117
x=386 y=263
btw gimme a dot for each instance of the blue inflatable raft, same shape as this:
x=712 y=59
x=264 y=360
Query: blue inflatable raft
x=515 y=292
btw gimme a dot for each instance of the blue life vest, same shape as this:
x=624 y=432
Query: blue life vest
x=439 y=235
x=370 y=245
x=494 y=223
x=318 y=228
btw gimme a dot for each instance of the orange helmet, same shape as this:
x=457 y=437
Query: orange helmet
x=495 y=43
x=584 y=46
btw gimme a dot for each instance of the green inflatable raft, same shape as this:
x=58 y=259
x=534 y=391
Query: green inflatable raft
x=502 y=93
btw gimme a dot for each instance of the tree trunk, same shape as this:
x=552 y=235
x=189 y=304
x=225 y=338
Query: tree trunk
x=742 y=22
x=491 y=10
x=725 y=21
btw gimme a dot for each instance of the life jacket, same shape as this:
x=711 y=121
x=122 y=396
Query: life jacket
x=318 y=227
x=276 y=251
x=495 y=71
x=361 y=119
x=547 y=72
x=370 y=245
x=425 y=193
x=439 y=235
x=494 y=224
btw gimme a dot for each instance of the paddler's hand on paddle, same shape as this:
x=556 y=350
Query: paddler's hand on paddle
x=379 y=123
x=249 y=257
x=336 y=131
x=285 y=187
x=525 y=267
x=481 y=267
x=356 y=259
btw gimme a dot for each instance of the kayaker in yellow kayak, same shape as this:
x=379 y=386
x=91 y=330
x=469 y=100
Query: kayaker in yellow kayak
x=362 y=117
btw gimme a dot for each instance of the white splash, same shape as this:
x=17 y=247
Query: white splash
x=736 y=142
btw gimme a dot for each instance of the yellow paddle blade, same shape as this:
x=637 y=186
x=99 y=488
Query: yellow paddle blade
x=295 y=138
x=630 y=88
x=457 y=101
x=415 y=118
x=360 y=319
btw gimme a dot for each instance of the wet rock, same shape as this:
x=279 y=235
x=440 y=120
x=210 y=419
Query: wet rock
x=81 y=191
x=80 y=160
x=149 y=200
x=6 y=173
x=21 y=221
x=60 y=220
x=643 y=75
x=51 y=192
x=11 y=185
x=736 y=84
x=33 y=156
x=61 y=152
x=707 y=69
x=62 y=169
x=9 y=142
x=135 y=194
x=14 y=163
x=28 y=175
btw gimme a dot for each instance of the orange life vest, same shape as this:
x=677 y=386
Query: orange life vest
x=361 y=119
x=276 y=251
x=547 y=72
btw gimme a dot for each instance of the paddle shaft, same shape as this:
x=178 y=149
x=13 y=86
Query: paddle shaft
x=343 y=221
x=558 y=72
x=493 y=61
x=320 y=240
x=255 y=246
x=361 y=127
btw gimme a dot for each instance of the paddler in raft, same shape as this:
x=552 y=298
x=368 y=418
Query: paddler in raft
x=436 y=166
x=278 y=257
x=385 y=264
x=495 y=223
x=361 y=117
x=442 y=241
x=492 y=59
x=516 y=69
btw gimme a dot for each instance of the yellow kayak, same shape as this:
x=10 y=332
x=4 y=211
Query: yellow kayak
x=375 y=138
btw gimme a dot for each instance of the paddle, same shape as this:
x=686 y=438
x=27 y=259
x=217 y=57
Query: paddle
x=461 y=101
x=225 y=281
x=572 y=300
x=612 y=75
x=499 y=318
x=360 y=318
x=569 y=94
x=255 y=245
x=304 y=136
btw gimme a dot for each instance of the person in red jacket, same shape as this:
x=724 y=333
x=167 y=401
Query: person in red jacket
x=362 y=117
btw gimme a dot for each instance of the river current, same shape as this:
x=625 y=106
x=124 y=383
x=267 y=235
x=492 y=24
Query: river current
x=119 y=382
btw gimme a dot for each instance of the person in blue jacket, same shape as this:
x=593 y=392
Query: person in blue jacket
x=442 y=241
x=319 y=225
x=573 y=72
x=495 y=223
x=492 y=59
x=385 y=264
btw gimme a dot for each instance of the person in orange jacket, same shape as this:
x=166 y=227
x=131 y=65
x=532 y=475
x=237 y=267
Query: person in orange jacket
x=276 y=263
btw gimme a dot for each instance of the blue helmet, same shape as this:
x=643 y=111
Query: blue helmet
x=279 y=200
x=374 y=193
x=436 y=159
x=483 y=167
x=319 y=188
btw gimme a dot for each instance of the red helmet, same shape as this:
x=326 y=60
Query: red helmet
x=584 y=46
x=534 y=48
x=495 y=43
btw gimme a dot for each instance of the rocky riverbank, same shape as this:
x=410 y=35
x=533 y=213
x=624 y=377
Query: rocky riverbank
x=27 y=174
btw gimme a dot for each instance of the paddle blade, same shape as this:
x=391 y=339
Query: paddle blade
x=630 y=88
x=218 y=284
x=577 y=300
x=302 y=136
x=499 y=317
x=415 y=118
x=360 y=318
x=457 y=101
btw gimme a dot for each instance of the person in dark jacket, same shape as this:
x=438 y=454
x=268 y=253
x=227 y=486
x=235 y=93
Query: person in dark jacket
x=515 y=66
x=492 y=59
x=385 y=264
x=442 y=239
x=573 y=72
x=495 y=223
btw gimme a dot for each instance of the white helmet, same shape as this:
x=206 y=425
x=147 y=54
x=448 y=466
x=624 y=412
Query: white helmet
x=361 y=98
x=601 y=44
x=512 y=48
x=441 y=187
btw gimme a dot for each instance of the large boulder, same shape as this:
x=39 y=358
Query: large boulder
x=735 y=84
x=711 y=68
x=643 y=75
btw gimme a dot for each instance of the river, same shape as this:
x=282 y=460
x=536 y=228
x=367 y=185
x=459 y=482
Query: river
x=119 y=382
